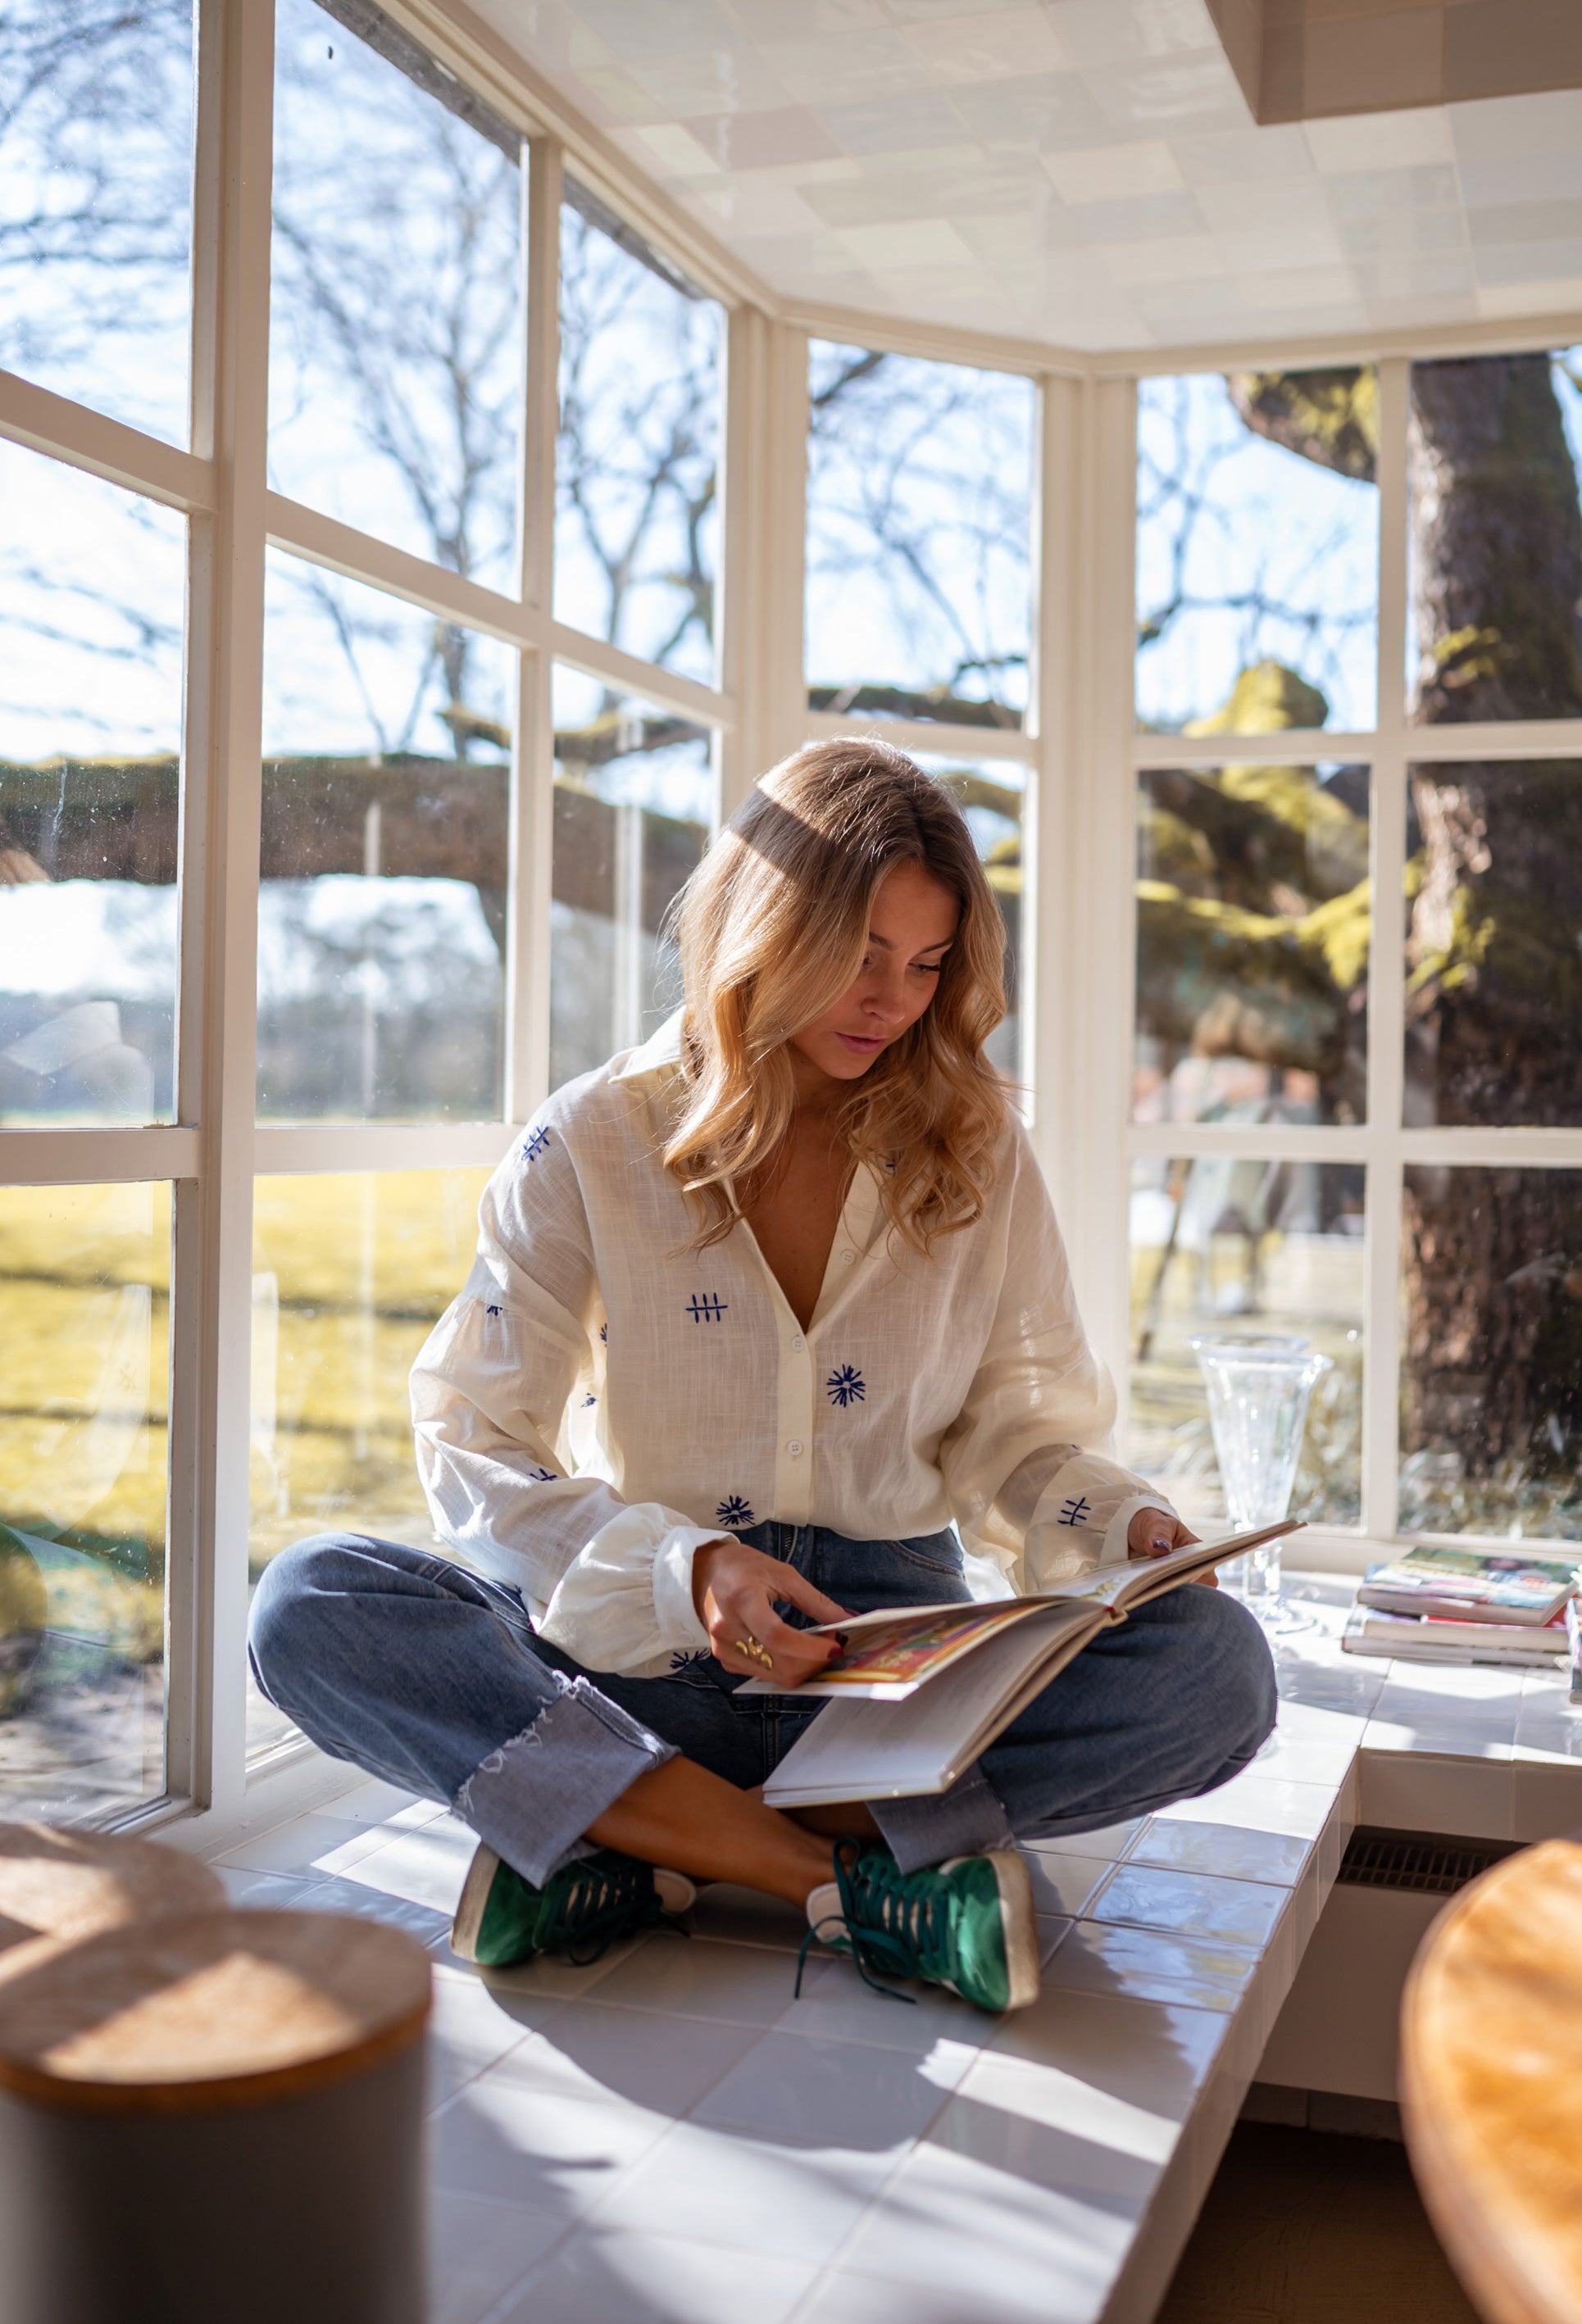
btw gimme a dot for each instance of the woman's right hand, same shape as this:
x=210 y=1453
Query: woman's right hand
x=735 y=1588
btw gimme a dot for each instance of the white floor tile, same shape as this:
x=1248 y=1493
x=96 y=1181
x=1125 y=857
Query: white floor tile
x=469 y=2029
x=837 y=2007
x=479 y=2250
x=1259 y=1803
x=1195 y=1904
x=426 y=1867
x=837 y=2298
x=1038 y=2123
x=953 y=2224
x=375 y=1801
x=793 y=2088
x=1227 y=1851
x=744 y=1985
x=513 y=2143
x=303 y=1845
x=628 y=2057
x=1148 y=1965
x=617 y=2277
x=716 y=2187
x=1062 y=1883
x=552 y=1978
x=372 y=1903
x=265 y=1892
x=1155 y=2055
x=743 y=1916
x=1111 y=1843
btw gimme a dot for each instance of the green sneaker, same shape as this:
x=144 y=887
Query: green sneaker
x=967 y=1925
x=582 y=1910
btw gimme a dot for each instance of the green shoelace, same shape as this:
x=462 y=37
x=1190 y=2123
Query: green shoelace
x=895 y=1926
x=598 y=1904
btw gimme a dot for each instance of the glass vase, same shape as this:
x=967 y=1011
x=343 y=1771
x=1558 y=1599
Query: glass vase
x=1258 y=1386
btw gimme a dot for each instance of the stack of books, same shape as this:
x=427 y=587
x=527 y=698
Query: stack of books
x=1439 y=1605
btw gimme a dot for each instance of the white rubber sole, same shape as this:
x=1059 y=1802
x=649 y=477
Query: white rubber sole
x=1019 y=1921
x=676 y=1893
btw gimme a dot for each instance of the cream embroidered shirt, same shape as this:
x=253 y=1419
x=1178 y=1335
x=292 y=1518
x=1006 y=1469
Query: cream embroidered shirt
x=599 y=1402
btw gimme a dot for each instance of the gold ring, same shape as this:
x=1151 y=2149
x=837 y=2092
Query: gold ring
x=754 y=1652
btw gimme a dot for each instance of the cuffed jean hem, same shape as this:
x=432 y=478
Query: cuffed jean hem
x=532 y=1800
x=965 y=1821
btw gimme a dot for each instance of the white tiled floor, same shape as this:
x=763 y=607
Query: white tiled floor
x=670 y=2135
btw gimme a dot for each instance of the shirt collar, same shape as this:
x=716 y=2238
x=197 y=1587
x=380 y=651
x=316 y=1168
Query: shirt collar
x=659 y=1055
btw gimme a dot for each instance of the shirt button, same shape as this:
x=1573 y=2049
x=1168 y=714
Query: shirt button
x=799 y=1343
x=794 y=1447
x=848 y=1257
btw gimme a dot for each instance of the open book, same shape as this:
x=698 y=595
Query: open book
x=919 y=1691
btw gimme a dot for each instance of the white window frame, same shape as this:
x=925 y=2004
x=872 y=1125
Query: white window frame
x=1078 y=746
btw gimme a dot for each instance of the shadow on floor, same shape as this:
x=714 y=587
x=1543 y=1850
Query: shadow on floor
x=1301 y=2227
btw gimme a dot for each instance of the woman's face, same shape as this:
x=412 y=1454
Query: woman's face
x=910 y=932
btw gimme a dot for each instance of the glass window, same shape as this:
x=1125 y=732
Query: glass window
x=1252 y=930
x=84 y=1353
x=920 y=487
x=1491 y=1390
x=92 y=590
x=386 y=814
x=1494 y=450
x=1223 y=1242
x=637 y=515
x=990 y=792
x=95 y=204
x=349 y=1273
x=396 y=332
x=1257 y=552
x=635 y=802
x=1494 y=944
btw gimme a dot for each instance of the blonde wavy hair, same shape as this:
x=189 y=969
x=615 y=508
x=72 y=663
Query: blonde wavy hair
x=772 y=929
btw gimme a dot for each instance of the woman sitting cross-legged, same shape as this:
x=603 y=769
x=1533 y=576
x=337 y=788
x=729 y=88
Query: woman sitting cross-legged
x=768 y=1318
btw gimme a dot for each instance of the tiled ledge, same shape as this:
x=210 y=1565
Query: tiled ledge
x=670 y=2134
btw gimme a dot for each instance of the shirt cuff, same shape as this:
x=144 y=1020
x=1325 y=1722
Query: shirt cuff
x=1116 y=1551
x=675 y=1615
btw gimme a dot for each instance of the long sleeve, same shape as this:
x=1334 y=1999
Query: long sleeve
x=607 y=1580
x=1026 y=1464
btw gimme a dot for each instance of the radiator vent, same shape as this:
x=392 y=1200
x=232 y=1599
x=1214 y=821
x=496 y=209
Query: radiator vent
x=1428 y=1863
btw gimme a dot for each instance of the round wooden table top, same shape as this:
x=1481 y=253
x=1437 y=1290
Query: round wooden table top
x=1491 y=2085
x=217 y=2009
x=73 y=1884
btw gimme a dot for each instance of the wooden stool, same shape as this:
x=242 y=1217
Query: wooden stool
x=214 y=2117
x=1491 y=2085
x=73 y=1884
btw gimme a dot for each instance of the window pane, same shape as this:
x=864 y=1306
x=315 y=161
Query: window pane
x=349 y=1273
x=1257 y=551
x=92 y=586
x=1494 y=944
x=386 y=814
x=1221 y=1242
x=1253 y=928
x=990 y=792
x=1491 y=1385
x=95 y=204
x=636 y=521
x=634 y=801
x=395 y=338
x=920 y=484
x=1494 y=449
x=84 y=1352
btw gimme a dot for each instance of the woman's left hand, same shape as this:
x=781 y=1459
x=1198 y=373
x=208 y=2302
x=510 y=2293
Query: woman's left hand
x=1154 y=1533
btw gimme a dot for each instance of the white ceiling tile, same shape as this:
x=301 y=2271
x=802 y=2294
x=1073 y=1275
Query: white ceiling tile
x=906 y=243
x=1144 y=217
x=1401 y=232
x=1528 y=262
x=878 y=124
x=1236 y=156
x=1381 y=140
x=1414 y=275
x=1263 y=206
x=1177 y=258
x=673 y=150
x=1046 y=113
x=862 y=64
x=1111 y=32
x=1255 y=249
x=1296 y=289
x=712 y=80
x=758 y=206
x=1563 y=293
x=780 y=138
x=1516 y=124
x=1107 y=173
x=1549 y=173
x=990 y=46
x=1190 y=92
x=1372 y=193
x=635 y=28
x=609 y=94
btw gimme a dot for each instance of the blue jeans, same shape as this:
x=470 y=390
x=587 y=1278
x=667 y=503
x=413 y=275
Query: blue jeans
x=424 y=1673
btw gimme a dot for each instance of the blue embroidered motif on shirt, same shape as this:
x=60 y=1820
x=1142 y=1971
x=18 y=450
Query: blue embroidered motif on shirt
x=537 y=1141
x=493 y=1311
x=733 y=1511
x=844 y=1386
x=1075 y=1511
x=543 y=1476
x=684 y=1659
x=708 y=1309
x=588 y=1400
x=604 y=1332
